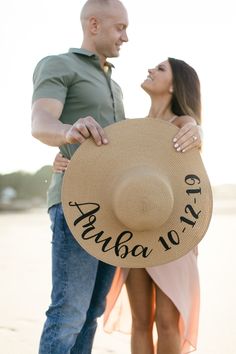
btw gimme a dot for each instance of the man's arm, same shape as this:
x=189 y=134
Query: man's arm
x=45 y=123
x=47 y=127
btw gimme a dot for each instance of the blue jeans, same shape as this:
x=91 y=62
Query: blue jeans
x=80 y=285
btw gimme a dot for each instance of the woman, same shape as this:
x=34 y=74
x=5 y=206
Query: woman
x=166 y=295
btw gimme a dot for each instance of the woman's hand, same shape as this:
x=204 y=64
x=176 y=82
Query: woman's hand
x=188 y=137
x=60 y=163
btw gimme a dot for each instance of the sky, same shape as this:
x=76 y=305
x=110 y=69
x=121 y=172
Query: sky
x=201 y=32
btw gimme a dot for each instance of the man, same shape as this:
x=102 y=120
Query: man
x=74 y=98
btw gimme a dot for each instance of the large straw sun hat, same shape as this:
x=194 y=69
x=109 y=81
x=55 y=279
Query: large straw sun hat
x=136 y=202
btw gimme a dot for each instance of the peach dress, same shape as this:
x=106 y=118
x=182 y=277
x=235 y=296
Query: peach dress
x=179 y=280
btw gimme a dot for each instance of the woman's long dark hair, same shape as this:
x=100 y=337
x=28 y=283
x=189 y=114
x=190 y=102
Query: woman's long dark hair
x=186 y=99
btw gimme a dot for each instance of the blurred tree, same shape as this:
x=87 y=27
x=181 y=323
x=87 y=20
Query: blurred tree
x=27 y=185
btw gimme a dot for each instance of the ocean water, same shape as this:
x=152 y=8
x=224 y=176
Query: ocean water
x=25 y=285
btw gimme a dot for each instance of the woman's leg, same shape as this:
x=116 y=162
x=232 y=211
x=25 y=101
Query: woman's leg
x=141 y=294
x=167 y=320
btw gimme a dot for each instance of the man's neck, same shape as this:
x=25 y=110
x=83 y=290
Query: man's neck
x=91 y=49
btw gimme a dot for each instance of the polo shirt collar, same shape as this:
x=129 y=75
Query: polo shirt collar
x=82 y=51
x=87 y=53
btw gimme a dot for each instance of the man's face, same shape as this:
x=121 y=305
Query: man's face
x=112 y=32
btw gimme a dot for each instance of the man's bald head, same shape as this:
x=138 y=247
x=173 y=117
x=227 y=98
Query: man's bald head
x=97 y=8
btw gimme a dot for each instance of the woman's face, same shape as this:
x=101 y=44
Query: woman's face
x=159 y=80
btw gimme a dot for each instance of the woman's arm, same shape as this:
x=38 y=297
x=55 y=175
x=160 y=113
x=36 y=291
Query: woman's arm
x=60 y=163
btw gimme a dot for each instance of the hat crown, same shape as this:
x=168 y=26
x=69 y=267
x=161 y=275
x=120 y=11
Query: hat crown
x=142 y=199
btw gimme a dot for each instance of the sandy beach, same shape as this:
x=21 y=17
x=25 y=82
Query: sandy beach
x=25 y=284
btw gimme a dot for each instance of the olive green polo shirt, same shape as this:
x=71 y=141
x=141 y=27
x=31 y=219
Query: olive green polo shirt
x=85 y=89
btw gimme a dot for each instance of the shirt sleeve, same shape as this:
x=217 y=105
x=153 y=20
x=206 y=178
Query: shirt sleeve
x=51 y=79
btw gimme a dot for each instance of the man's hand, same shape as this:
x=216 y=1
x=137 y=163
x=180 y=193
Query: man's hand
x=84 y=128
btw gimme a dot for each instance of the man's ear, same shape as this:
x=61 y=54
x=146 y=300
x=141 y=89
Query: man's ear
x=94 y=25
